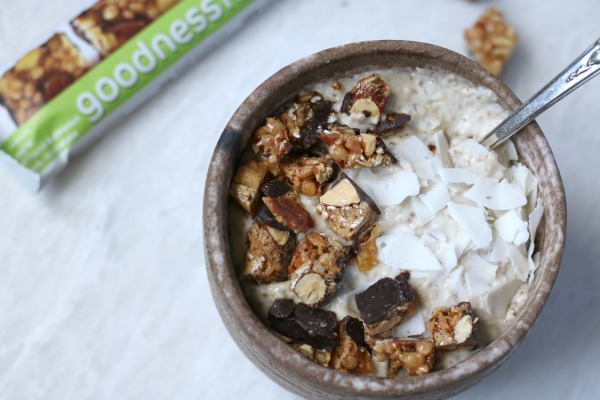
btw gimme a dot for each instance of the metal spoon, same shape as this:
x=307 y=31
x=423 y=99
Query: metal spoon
x=579 y=72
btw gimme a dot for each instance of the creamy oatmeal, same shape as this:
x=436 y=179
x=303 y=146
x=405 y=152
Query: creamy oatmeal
x=371 y=207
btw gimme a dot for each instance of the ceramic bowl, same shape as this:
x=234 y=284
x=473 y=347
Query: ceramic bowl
x=276 y=359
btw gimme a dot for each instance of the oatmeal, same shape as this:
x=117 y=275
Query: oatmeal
x=374 y=233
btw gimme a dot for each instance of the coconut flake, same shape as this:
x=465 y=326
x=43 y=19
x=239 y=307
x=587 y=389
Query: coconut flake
x=413 y=325
x=496 y=301
x=472 y=220
x=402 y=250
x=499 y=251
x=524 y=177
x=488 y=193
x=470 y=154
x=410 y=148
x=534 y=221
x=512 y=228
x=442 y=148
x=388 y=186
x=459 y=175
x=436 y=197
x=479 y=275
x=422 y=214
x=519 y=263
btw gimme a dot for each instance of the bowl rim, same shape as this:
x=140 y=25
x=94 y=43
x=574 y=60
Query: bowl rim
x=246 y=328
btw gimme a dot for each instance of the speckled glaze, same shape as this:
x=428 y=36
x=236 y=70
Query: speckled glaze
x=281 y=363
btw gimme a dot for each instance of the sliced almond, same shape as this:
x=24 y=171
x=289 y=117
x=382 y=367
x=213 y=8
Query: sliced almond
x=342 y=194
x=311 y=289
x=463 y=329
x=281 y=237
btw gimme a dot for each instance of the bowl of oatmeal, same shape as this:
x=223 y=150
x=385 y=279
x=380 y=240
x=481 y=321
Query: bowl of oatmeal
x=360 y=242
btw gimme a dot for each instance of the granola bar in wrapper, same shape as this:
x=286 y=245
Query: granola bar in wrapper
x=93 y=70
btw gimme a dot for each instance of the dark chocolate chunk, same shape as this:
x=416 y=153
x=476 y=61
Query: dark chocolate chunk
x=355 y=330
x=276 y=188
x=381 y=143
x=311 y=326
x=382 y=299
x=265 y=216
x=347 y=102
x=314 y=126
x=391 y=122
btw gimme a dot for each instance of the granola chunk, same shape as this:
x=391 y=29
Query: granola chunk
x=351 y=353
x=269 y=254
x=491 y=41
x=306 y=118
x=246 y=183
x=385 y=303
x=455 y=327
x=368 y=97
x=347 y=208
x=272 y=139
x=316 y=268
x=351 y=149
x=308 y=174
x=416 y=355
x=319 y=356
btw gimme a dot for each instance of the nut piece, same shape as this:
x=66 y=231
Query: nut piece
x=385 y=303
x=350 y=149
x=316 y=257
x=311 y=326
x=319 y=356
x=368 y=97
x=491 y=41
x=414 y=355
x=290 y=213
x=347 y=208
x=268 y=255
x=351 y=353
x=391 y=122
x=365 y=248
x=308 y=174
x=246 y=184
x=455 y=327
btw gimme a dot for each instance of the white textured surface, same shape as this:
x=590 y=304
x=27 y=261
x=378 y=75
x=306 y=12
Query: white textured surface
x=103 y=291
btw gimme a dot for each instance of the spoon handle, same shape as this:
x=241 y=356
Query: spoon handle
x=584 y=68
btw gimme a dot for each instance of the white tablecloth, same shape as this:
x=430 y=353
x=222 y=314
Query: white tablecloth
x=103 y=288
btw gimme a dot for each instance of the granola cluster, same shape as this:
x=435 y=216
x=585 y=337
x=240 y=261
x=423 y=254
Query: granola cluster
x=300 y=173
x=491 y=41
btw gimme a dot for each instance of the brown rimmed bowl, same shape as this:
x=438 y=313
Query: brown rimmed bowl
x=281 y=363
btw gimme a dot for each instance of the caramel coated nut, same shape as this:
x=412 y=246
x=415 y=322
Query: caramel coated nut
x=308 y=174
x=365 y=248
x=415 y=355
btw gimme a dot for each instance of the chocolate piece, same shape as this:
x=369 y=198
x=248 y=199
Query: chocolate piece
x=455 y=327
x=276 y=188
x=305 y=119
x=269 y=254
x=385 y=303
x=356 y=150
x=108 y=23
x=39 y=76
x=316 y=268
x=264 y=216
x=314 y=327
x=246 y=183
x=347 y=207
x=351 y=353
x=290 y=213
x=309 y=174
x=391 y=122
x=416 y=355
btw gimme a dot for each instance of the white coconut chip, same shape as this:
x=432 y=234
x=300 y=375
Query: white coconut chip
x=413 y=325
x=499 y=251
x=442 y=148
x=472 y=155
x=472 y=220
x=459 y=175
x=402 y=250
x=512 y=228
x=524 y=177
x=534 y=221
x=519 y=263
x=479 y=275
x=388 y=186
x=436 y=198
x=503 y=195
x=410 y=148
